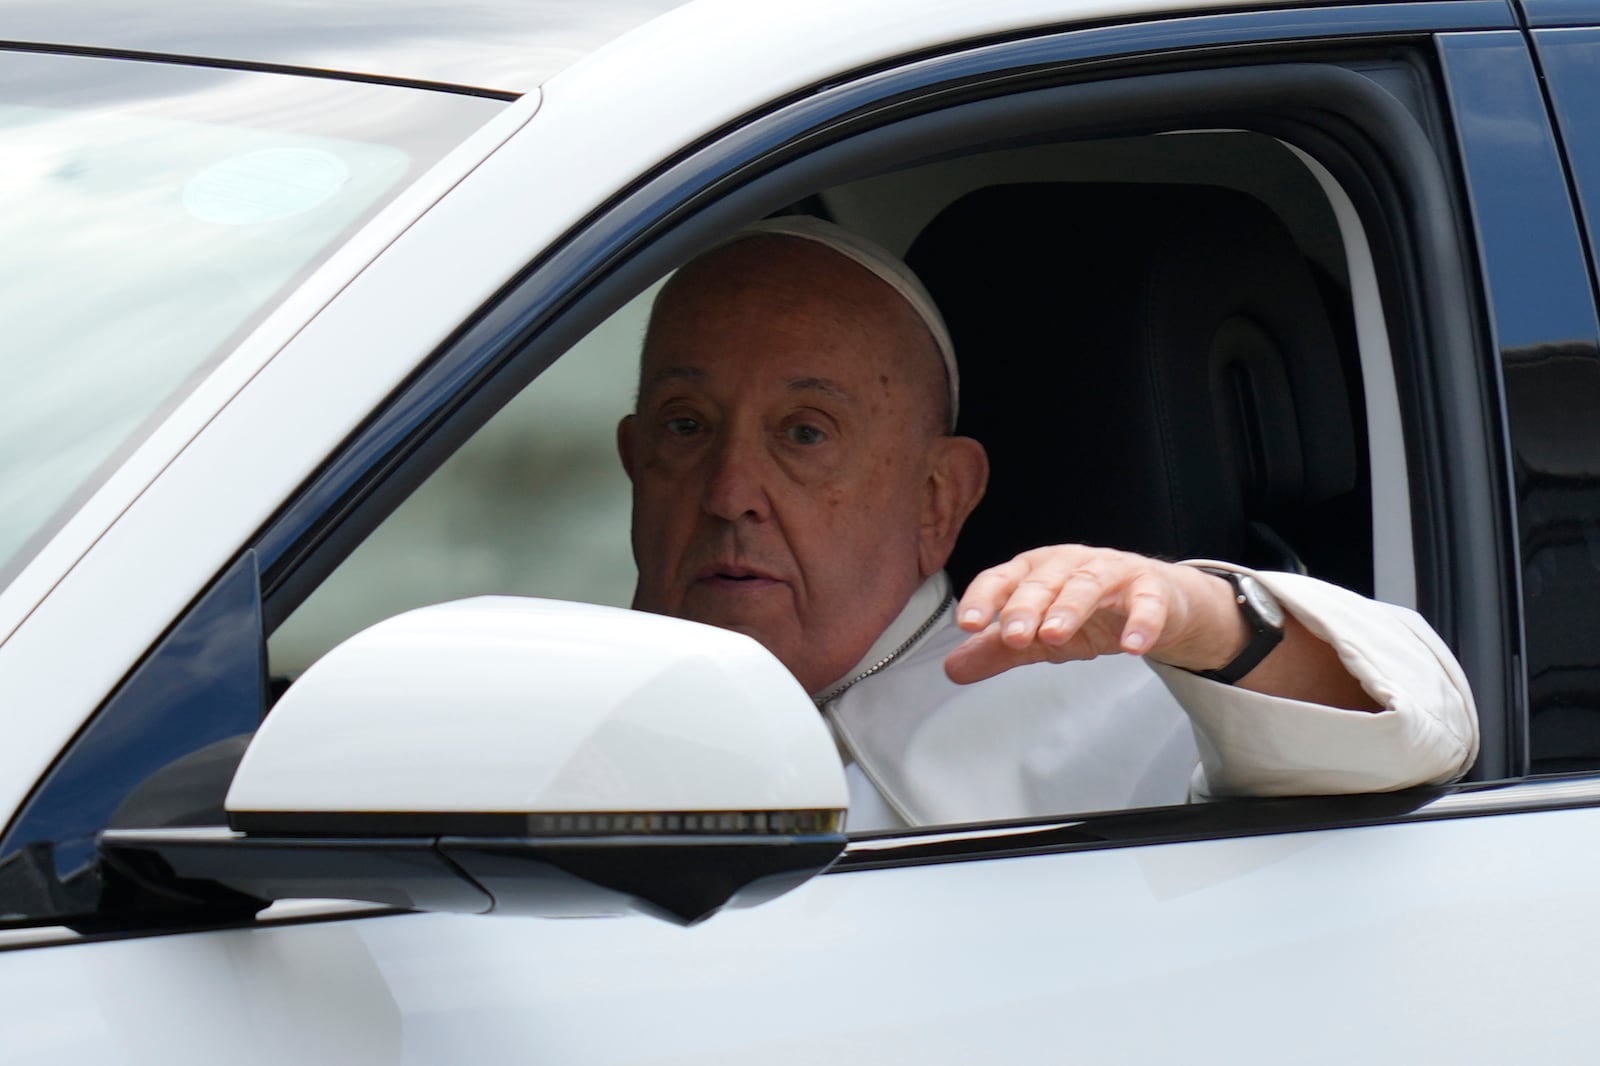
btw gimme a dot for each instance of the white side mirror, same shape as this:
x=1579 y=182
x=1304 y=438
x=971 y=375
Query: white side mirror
x=568 y=758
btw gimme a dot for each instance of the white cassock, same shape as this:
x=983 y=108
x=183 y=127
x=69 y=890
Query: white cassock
x=1119 y=731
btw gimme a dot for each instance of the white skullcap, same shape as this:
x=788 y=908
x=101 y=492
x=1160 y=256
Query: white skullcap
x=883 y=264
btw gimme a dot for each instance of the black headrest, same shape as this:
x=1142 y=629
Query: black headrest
x=1151 y=367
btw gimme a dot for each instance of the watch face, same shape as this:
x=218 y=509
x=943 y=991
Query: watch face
x=1264 y=603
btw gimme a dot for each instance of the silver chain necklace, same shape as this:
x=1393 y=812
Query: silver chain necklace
x=842 y=687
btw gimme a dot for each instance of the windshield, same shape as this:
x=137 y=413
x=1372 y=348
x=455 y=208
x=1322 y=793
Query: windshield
x=154 y=213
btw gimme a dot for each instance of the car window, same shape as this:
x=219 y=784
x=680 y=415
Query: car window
x=536 y=502
x=156 y=212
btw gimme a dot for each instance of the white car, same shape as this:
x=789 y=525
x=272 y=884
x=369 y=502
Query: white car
x=315 y=324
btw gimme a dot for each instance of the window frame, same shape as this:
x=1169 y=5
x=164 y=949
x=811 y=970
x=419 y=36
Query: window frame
x=645 y=236
x=1448 y=394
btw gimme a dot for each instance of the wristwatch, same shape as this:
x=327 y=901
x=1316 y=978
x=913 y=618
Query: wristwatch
x=1263 y=615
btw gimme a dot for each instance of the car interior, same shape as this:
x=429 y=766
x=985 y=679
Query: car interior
x=1177 y=340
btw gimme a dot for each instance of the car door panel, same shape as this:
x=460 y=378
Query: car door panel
x=1123 y=955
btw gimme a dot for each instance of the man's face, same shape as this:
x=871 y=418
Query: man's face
x=789 y=409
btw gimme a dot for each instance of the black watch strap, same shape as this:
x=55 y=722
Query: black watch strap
x=1262 y=615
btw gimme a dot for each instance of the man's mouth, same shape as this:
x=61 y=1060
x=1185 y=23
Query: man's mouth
x=736 y=577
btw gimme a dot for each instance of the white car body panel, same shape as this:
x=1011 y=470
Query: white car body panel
x=1175 y=953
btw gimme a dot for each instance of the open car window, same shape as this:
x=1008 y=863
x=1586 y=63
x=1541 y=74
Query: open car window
x=1204 y=299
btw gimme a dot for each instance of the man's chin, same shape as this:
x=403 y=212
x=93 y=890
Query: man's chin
x=771 y=629
x=781 y=637
x=763 y=632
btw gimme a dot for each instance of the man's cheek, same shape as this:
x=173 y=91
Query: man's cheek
x=675 y=486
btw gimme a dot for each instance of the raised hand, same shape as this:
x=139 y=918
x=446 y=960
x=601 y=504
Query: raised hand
x=1071 y=601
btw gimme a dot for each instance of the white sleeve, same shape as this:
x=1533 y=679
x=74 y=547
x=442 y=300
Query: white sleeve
x=1253 y=744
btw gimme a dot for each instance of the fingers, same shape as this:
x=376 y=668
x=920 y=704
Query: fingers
x=1088 y=585
x=1047 y=593
x=1039 y=586
x=1062 y=602
x=988 y=592
x=1148 y=601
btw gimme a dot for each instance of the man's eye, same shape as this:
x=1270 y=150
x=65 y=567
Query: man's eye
x=804 y=434
x=683 y=426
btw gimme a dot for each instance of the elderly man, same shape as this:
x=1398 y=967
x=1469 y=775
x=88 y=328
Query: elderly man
x=795 y=478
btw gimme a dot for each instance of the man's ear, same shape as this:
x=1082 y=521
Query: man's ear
x=957 y=477
x=625 y=444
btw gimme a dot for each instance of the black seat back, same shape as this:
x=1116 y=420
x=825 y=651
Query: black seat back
x=1151 y=367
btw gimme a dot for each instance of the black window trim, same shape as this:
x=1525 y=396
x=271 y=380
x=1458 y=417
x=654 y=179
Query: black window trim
x=1216 y=820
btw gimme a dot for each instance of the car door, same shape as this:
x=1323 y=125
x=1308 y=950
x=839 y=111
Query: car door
x=1238 y=929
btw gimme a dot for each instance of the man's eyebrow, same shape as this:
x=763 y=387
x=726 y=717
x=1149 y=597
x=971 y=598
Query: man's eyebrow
x=831 y=388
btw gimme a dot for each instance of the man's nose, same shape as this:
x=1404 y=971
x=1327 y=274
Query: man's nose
x=736 y=481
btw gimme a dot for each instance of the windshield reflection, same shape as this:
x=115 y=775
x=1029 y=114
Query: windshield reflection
x=150 y=223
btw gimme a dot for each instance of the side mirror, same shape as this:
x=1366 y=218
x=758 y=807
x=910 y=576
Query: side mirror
x=522 y=756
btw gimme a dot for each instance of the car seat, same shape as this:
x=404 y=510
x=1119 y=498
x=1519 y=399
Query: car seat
x=1151 y=367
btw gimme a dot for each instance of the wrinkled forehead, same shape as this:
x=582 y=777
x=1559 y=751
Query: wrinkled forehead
x=787 y=309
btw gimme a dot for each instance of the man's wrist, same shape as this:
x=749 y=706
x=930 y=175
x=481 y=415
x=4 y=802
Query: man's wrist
x=1261 y=616
x=1214 y=632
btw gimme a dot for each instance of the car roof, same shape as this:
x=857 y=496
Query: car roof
x=509 y=46
x=504 y=45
